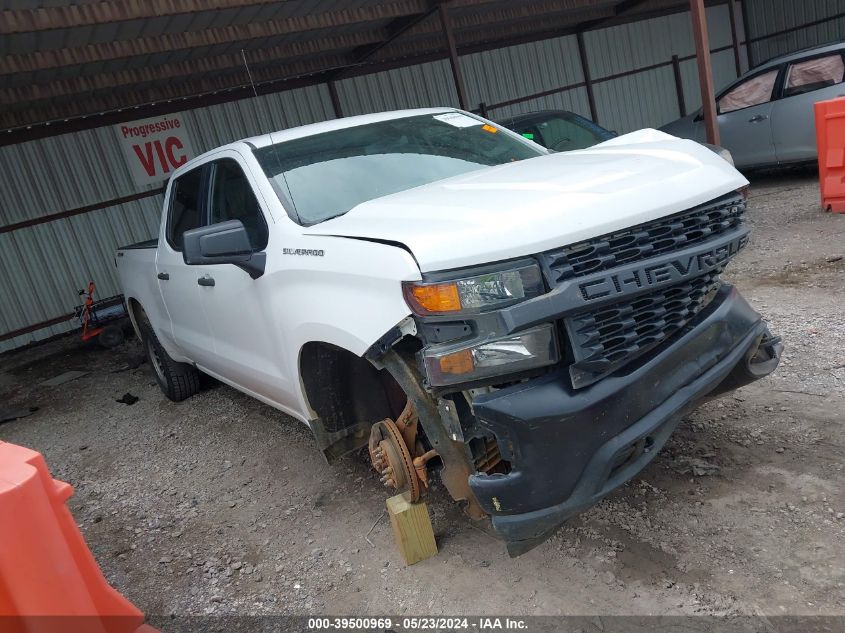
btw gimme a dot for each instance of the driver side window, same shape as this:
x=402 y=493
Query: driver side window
x=752 y=92
x=185 y=208
x=232 y=198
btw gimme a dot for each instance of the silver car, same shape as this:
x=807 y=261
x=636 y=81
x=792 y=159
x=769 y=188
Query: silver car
x=766 y=116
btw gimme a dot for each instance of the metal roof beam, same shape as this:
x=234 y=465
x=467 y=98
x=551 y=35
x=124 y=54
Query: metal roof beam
x=113 y=11
x=154 y=98
x=395 y=29
x=258 y=59
x=500 y=34
x=511 y=12
x=619 y=10
x=497 y=22
x=204 y=75
x=502 y=24
x=194 y=93
x=110 y=11
x=233 y=33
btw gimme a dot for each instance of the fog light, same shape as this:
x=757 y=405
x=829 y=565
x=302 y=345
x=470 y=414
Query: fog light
x=533 y=348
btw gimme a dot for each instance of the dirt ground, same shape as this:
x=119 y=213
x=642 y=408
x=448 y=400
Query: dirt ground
x=223 y=505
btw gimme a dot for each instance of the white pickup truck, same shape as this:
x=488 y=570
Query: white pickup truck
x=530 y=326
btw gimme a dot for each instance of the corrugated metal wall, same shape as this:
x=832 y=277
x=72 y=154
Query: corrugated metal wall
x=43 y=266
x=509 y=73
x=772 y=16
x=421 y=86
x=649 y=99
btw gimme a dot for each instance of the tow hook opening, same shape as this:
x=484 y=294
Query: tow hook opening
x=763 y=360
x=631 y=454
x=487 y=457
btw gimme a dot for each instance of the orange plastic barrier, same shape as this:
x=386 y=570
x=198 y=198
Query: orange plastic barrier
x=830 y=136
x=49 y=580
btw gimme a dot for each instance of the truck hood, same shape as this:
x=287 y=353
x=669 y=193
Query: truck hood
x=534 y=205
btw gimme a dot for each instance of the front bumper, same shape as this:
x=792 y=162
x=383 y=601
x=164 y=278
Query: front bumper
x=569 y=448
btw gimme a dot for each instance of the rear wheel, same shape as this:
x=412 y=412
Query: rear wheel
x=178 y=381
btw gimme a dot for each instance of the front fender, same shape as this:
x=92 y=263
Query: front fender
x=349 y=297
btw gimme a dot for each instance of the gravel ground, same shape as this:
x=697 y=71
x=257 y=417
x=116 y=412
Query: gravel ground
x=223 y=505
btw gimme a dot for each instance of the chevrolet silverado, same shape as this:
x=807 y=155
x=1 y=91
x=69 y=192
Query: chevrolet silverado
x=528 y=327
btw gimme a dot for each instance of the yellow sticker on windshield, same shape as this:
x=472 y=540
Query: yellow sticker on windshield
x=489 y=128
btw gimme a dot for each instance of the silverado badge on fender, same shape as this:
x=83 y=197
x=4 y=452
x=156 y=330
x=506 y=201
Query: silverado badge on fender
x=303 y=251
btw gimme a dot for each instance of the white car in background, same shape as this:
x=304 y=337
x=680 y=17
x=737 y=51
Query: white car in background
x=766 y=116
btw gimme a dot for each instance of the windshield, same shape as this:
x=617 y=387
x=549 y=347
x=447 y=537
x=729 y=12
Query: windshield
x=325 y=175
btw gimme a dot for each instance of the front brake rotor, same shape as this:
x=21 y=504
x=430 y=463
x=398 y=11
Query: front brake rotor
x=392 y=459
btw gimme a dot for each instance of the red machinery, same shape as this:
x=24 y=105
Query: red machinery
x=101 y=319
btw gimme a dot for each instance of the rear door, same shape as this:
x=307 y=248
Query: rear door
x=177 y=281
x=805 y=82
x=745 y=119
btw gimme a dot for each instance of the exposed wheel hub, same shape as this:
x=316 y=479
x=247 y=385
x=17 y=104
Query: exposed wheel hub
x=392 y=459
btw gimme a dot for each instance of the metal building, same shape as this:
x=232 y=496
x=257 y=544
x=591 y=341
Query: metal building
x=72 y=74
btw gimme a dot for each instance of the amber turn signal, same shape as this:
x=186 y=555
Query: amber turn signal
x=458 y=363
x=434 y=297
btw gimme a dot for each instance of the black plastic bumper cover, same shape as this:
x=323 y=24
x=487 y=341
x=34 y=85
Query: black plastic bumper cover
x=571 y=447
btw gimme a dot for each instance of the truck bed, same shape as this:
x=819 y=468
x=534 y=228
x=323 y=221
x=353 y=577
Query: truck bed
x=136 y=267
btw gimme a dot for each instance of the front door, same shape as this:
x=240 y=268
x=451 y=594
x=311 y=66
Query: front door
x=745 y=120
x=247 y=339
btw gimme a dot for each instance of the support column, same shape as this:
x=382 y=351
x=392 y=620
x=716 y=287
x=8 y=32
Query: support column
x=453 y=58
x=705 y=70
x=338 y=110
x=679 y=85
x=743 y=4
x=588 y=79
x=735 y=36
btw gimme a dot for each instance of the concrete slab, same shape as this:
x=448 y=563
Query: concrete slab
x=61 y=379
x=13 y=413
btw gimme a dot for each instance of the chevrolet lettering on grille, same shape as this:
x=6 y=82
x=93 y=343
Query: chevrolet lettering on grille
x=664 y=273
x=619 y=295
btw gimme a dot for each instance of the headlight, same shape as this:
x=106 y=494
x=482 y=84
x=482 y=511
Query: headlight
x=476 y=293
x=532 y=348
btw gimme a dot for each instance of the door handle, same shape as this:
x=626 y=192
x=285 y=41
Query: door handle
x=206 y=281
x=163 y=276
x=758 y=118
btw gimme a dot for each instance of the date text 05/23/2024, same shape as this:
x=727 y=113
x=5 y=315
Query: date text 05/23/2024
x=387 y=624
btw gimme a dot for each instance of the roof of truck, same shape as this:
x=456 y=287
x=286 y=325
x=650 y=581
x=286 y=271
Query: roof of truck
x=337 y=124
x=289 y=134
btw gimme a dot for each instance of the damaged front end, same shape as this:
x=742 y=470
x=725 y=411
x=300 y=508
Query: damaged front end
x=546 y=382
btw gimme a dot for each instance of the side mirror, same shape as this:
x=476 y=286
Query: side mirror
x=222 y=243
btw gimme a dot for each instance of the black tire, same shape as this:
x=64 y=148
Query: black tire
x=178 y=381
